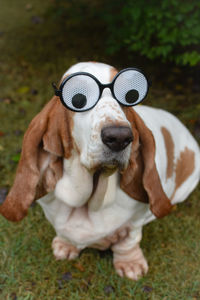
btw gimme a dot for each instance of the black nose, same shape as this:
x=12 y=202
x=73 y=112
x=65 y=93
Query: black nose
x=116 y=138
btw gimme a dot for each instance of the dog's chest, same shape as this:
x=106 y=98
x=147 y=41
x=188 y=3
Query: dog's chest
x=83 y=227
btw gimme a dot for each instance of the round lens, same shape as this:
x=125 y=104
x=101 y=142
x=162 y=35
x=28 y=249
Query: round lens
x=80 y=92
x=130 y=87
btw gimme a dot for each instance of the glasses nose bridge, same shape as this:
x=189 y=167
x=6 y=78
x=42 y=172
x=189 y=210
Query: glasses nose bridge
x=104 y=86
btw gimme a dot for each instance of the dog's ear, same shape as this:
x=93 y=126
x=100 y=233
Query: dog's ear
x=46 y=141
x=141 y=180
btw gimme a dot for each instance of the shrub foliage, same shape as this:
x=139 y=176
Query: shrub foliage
x=167 y=29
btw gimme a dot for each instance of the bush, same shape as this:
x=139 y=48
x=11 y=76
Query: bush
x=167 y=29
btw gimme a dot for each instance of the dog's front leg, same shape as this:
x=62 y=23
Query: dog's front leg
x=64 y=250
x=128 y=258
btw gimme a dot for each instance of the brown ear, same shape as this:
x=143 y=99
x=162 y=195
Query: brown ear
x=141 y=180
x=46 y=141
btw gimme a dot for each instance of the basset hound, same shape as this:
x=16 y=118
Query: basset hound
x=101 y=166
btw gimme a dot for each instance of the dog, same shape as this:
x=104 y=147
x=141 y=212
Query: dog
x=101 y=166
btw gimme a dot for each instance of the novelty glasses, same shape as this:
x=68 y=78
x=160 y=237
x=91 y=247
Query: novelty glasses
x=81 y=91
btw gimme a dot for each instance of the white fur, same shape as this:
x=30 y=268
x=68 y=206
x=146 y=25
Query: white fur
x=75 y=186
x=81 y=219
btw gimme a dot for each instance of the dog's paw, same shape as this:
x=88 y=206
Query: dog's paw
x=131 y=263
x=131 y=269
x=63 y=250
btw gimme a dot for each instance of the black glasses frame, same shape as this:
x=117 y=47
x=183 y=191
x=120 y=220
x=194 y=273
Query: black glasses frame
x=58 y=92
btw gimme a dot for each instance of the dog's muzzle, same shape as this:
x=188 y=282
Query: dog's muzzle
x=116 y=138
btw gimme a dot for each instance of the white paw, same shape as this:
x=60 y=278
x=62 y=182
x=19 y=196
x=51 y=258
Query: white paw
x=130 y=263
x=63 y=250
x=131 y=269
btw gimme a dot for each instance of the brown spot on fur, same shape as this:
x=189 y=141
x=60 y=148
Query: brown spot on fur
x=169 y=145
x=113 y=73
x=184 y=166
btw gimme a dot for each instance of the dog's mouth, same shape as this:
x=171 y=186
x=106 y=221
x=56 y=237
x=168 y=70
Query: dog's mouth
x=115 y=160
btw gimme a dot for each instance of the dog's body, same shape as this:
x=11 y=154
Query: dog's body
x=95 y=197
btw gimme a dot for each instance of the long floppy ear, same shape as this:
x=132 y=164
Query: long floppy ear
x=141 y=180
x=46 y=141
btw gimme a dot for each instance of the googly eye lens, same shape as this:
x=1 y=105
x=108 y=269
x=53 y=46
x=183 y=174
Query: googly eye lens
x=130 y=87
x=79 y=92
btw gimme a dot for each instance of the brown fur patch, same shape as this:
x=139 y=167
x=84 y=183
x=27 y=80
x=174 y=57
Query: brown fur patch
x=141 y=180
x=184 y=166
x=113 y=73
x=49 y=134
x=169 y=145
x=50 y=174
x=132 y=177
x=57 y=138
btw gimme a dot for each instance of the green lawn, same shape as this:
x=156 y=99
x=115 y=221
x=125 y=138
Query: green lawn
x=36 y=50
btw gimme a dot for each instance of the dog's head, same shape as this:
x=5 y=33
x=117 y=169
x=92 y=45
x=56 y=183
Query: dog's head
x=102 y=135
x=97 y=124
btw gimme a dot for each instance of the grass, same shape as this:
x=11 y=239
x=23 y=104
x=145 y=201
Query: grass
x=36 y=50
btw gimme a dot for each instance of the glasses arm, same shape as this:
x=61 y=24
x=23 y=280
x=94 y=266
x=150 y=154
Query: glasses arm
x=56 y=90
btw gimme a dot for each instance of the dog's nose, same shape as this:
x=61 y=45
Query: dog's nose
x=116 y=138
